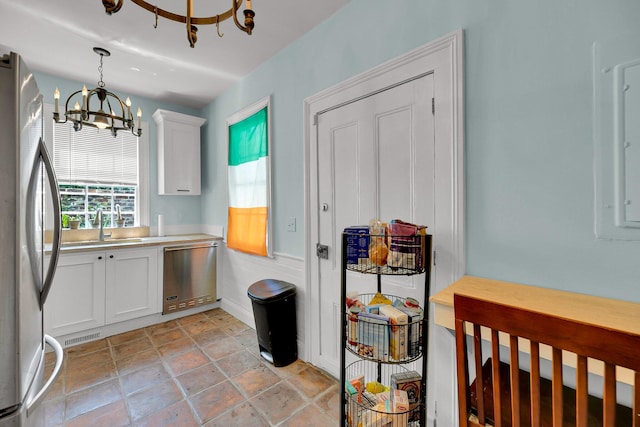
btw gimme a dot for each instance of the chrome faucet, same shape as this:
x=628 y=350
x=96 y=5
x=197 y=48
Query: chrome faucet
x=102 y=234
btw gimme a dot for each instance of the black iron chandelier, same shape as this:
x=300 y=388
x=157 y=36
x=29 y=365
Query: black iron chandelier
x=113 y=6
x=117 y=117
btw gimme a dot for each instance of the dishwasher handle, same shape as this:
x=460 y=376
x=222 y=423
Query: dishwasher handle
x=190 y=246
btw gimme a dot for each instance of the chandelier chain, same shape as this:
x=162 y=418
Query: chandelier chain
x=100 y=83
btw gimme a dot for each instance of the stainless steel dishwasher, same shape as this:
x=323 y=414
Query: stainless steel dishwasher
x=189 y=276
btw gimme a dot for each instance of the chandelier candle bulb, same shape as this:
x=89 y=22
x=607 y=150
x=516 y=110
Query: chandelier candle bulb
x=84 y=97
x=56 y=98
x=248 y=4
x=128 y=103
x=139 y=117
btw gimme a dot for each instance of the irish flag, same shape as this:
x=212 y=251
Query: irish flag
x=247 y=229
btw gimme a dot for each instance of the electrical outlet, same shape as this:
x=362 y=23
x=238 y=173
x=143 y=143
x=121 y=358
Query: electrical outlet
x=291 y=224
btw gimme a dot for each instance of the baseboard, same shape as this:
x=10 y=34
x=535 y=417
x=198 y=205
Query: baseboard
x=247 y=317
x=238 y=312
x=69 y=340
x=239 y=271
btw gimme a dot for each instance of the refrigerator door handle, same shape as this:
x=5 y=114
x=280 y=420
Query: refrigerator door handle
x=38 y=398
x=57 y=221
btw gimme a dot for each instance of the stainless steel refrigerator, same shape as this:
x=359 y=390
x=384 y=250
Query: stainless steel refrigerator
x=27 y=186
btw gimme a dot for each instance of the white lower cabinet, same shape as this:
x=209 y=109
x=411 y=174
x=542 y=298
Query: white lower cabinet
x=94 y=289
x=132 y=284
x=76 y=300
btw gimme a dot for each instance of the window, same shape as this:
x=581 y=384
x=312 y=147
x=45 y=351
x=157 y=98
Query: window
x=82 y=201
x=249 y=219
x=97 y=171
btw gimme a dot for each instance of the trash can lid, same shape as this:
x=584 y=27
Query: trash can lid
x=270 y=289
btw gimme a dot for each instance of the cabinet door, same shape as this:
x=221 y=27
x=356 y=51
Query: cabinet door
x=178 y=153
x=132 y=284
x=76 y=300
x=182 y=159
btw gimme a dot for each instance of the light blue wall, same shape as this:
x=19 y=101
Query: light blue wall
x=529 y=138
x=176 y=209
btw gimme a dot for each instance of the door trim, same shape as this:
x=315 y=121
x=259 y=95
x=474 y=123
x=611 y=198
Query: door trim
x=444 y=57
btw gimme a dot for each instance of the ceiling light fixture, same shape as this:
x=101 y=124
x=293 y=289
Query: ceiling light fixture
x=82 y=114
x=112 y=6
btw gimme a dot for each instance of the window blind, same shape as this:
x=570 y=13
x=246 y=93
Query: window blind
x=94 y=156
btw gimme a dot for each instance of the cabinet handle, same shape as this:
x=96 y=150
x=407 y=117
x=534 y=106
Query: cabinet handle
x=110 y=256
x=180 y=189
x=99 y=257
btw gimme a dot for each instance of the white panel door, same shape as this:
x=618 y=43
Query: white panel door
x=375 y=160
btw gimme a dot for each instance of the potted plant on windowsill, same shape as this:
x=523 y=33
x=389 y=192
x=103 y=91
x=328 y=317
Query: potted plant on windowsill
x=74 y=222
x=65 y=220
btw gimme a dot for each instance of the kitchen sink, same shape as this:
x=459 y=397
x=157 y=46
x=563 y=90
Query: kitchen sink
x=104 y=242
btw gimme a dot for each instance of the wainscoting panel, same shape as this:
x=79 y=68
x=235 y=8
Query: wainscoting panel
x=237 y=271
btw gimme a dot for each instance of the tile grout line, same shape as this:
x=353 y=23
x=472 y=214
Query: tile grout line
x=246 y=398
x=226 y=324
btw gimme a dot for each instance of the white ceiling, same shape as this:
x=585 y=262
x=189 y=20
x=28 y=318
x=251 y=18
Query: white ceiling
x=57 y=37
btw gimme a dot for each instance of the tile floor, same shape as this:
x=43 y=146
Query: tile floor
x=203 y=369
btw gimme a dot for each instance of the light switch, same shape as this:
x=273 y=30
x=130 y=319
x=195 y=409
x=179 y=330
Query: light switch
x=291 y=224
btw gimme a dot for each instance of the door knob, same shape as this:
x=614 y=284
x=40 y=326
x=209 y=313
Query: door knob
x=325 y=207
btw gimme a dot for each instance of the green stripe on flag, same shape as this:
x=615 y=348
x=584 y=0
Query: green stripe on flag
x=248 y=139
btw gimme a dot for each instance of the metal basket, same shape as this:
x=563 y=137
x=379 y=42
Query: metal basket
x=387 y=254
x=361 y=406
x=376 y=337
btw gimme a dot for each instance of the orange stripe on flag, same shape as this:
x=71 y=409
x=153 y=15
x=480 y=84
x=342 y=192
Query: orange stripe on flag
x=247 y=230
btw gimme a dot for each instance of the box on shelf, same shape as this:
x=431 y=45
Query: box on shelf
x=373 y=308
x=409 y=381
x=400 y=406
x=414 y=316
x=358 y=384
x=406 y=245
x=373 y=336
x=357 y=244
x=398 y=335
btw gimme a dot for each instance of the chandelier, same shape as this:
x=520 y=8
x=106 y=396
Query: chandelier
x=112 y=6
x=117 y=117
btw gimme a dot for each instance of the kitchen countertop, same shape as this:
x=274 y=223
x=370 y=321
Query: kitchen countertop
x=133 y=242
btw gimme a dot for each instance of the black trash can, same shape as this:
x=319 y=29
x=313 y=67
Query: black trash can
x=274 y=310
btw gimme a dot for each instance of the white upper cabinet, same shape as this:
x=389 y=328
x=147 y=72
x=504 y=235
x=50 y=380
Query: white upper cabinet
x=178 y=153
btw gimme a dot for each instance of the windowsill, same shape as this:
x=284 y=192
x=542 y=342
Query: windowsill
x=92 y=233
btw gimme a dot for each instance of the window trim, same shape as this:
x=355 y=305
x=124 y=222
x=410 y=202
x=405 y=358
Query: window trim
x=142 y=201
